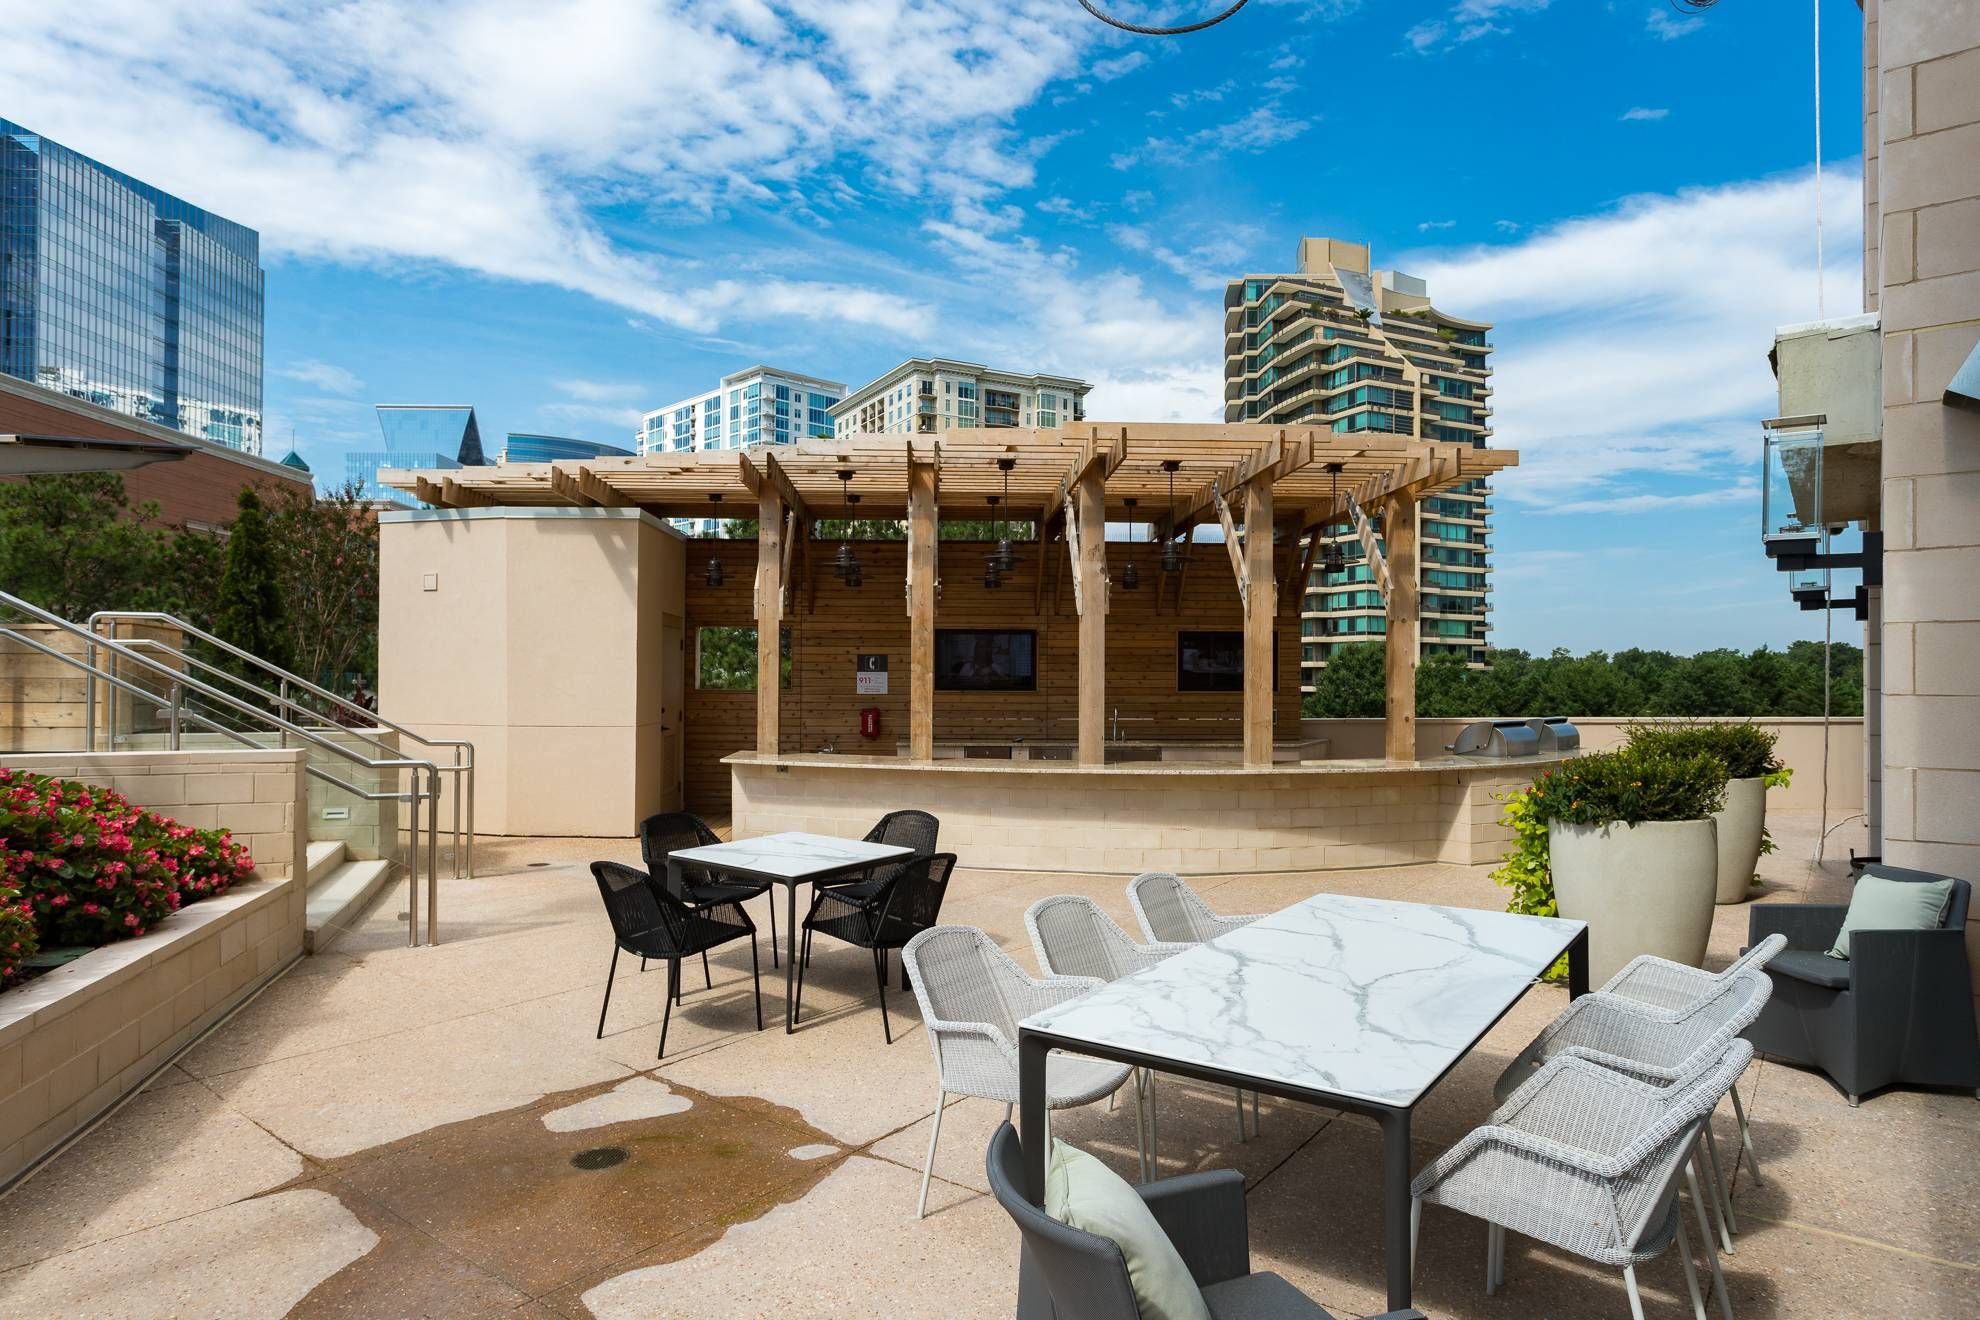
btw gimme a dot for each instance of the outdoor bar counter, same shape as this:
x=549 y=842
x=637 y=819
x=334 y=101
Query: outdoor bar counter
x=1195 y=818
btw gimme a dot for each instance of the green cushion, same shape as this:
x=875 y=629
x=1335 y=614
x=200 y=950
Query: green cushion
x=1884 y=904
x=1085 y=1194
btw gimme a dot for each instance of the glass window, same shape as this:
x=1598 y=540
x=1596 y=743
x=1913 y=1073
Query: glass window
x=725 y=659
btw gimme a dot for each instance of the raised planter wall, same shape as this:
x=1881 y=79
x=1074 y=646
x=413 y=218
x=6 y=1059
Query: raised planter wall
x=77 y=1040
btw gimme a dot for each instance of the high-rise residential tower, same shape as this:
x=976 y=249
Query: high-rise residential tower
x=755 y=406
x=1356 y=350
x=926 y=395
x=115 y=292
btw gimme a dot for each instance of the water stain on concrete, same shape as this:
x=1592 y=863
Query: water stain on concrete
x=480 y=1216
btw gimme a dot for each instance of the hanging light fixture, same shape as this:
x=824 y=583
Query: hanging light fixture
x=1332 y=561
x=714 y=578
x=993 y=564
x=1006 y=557
x=1130 y=575
x=845 y=563
x=1171 y=555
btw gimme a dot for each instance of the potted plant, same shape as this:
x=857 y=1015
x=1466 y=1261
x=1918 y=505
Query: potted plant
x=1747 y=751
x=1632 y=849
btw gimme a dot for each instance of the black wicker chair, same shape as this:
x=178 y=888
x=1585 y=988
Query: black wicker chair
x=1899 y=1010
x=878 y=918
x=663 y=834
x=652 y=923
x=1065 y=1273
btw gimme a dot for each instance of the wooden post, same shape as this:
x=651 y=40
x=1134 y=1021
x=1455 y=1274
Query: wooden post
x=921 y=610
x=1399 y=535
x=769 y=615
x=1261 y=608
x=1090 y=507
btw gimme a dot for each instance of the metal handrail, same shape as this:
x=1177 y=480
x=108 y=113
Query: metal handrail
x=463 y=790
x=457 y=770
x=181 y=682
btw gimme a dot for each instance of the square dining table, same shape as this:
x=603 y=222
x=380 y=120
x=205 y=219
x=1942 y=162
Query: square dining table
x=790 y=859
x=1359 y=1004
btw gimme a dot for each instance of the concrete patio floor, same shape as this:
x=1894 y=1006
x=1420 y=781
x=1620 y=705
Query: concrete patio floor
x=388 y=1131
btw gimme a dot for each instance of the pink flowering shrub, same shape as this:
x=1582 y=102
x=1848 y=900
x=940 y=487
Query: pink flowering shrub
x=91 y=867
x=17 y=940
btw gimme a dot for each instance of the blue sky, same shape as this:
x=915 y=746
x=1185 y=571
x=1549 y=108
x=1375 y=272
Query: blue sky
x=568 y=211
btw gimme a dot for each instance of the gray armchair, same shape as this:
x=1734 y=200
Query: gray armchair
x=1899 y=1010
x=1067 y=1274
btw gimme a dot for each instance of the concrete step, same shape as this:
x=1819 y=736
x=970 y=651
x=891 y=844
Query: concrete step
x=325 y=858
x=338 y=900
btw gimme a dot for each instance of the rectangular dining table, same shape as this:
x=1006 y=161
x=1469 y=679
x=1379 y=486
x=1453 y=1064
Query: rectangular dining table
x=1359 y=1004
x=790 y=859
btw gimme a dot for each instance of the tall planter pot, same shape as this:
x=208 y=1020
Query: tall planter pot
x=1641 y=888
x=1740 y=823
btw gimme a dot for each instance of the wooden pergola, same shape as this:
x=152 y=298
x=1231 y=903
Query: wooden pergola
x=1272 y=489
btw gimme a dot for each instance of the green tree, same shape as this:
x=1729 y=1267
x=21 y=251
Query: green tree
x=1445 y=687
x=1352 y=686
x=327 y=558
x=250 y=612
x=73 y=544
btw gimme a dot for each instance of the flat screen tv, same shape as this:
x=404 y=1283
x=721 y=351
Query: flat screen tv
x=1214 y=662
x=980 y=660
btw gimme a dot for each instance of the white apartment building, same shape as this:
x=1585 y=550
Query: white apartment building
x=757 y=405
x=925 y=395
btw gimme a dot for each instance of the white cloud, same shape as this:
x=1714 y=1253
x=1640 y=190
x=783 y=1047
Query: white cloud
x=1429 y=225
x=1669 y=26
x=326 y=376
x=1506 y=226
x=1260 y=129
x=1632 y=344
x=1119 y=66
x=1468 y=20
x=1207 y=265
x=484 y=137
x=1645 y=112
x=1739 y=492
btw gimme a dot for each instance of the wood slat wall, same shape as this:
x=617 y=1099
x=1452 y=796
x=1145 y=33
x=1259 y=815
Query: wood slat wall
x=821 y=703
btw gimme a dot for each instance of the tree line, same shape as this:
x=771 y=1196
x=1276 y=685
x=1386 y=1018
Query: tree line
x=1634 y=682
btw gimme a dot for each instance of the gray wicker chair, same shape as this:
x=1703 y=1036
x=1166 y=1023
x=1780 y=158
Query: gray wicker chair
x=1067 y=1274
x=1073 y=937
x=1899 y=1010
x=1170 y=912
x=1657 y=1045
x=972 y=997
x=1589 y=1160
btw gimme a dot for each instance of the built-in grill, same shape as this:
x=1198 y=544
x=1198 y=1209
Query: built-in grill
x=1557 y=734
x=1496 y=740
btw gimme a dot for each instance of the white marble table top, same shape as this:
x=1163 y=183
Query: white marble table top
x=792 y=855
x=1362 y=998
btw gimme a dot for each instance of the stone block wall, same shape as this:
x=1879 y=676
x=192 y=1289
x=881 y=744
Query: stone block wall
x=76 y=1040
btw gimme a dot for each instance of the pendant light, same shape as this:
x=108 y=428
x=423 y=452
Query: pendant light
x=714 y=577
x=1332 y=561
x=992 y=562
x=1171 y=556
x=1130 y=575
x=1006 y=557
x=845 y=563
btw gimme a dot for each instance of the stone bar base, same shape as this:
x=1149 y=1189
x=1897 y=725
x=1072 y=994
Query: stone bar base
x=1192 y=819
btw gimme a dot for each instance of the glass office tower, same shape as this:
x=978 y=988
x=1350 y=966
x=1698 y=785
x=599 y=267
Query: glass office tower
x=129 y=297
x=428 y=436
x=529 y=447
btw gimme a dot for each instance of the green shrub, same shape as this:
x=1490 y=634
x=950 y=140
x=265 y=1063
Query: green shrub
x=1631 y=785
x=1746 y=749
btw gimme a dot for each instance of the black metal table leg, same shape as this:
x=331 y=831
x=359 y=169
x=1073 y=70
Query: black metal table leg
x=1395 y=1205
x=1578 y=965
x=790 y=950
x=1032 y=1054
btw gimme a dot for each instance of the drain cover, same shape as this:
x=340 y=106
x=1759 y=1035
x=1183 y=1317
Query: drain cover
x=534 y=865
x=599 y=1157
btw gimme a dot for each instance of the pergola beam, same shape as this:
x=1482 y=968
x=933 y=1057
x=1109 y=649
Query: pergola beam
x=1107 y=455
x=600 y=492
x=1280 y=458
x=773 y=473
x=922 y=531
